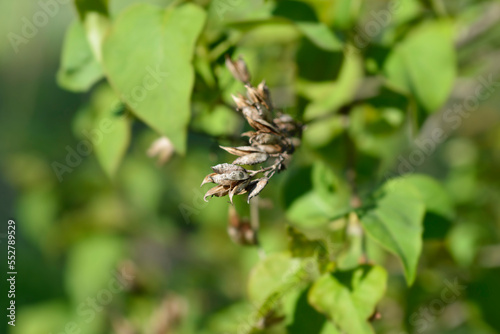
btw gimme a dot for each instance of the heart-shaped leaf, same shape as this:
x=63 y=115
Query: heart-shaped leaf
x=396 y=222
x=147 y=58
x=424 y=64
x=79 y=69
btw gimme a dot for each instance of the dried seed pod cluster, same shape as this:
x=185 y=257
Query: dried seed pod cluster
x=240 y=230
x=275 y=136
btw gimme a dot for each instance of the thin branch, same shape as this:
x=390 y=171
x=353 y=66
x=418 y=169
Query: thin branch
x=351 y=176
x=255 y=222
x=488 y=20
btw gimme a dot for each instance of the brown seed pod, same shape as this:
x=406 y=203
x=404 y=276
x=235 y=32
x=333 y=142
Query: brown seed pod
x=230 y=178
x=265 y=126
x=238 y=69
x=240 y=230
x=241 y=101
x=263 y=112
x=288 y=126
x=264 y=91
x=249 y=134
x=254 y=95
x=238 y=189
x=217 y=191
x=251 y=159
x=251 y=114
x=226 y=168
x=272 y=137
x=208 y=179
x=240 y=150
x=257 y=187
x=243 y=234
x=265 y=138
x=270 y=149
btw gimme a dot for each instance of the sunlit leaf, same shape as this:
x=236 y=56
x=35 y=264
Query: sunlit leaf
x=349 y=298
x=301 y=246
x=342 y=91
x=395 y=221
x=92 y=266
x=320 y=35
x=424 y=64
x=94 y=16
x=434 y=195
x=270 y=275
x=111 y=129
x=147 y=57
x=79 y=69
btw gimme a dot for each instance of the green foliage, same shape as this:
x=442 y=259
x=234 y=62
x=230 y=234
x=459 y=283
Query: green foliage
x=111 y=126
x=395 y=221
x=349 y=297
x=159 y=91
x=79 y=69
x=373 y=215
x=424 y=64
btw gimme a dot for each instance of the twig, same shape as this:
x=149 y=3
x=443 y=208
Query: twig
x=255 y=222
x=487 y=21
x=351 y=176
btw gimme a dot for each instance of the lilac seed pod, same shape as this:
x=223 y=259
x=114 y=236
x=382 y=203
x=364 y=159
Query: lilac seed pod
x=251 y=159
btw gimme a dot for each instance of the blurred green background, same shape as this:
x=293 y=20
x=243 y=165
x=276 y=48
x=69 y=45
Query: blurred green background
x=148 y=221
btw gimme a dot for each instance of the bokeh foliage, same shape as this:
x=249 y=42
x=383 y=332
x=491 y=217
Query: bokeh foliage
x=392 y=195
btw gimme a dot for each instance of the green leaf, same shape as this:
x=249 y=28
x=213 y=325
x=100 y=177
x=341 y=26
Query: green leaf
x=92 y=265
x=79 y=69
x=95 y=19
x=271 y=275
x=301 y=246
x=113 y=127
x=341 y=92
x=147 y=57
x=310 y=210
x=319 y=34
x=424 y=64
x=318 y=202
x=305 y=319
x=44 y=317
x=346 y=13
x=275 y=283
x=464 y=242
x=349 y=298
x=434 y=195
x=396 y=222
x=216 y=121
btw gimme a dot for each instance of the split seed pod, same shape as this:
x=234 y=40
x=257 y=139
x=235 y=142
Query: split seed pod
x=238 y=69
x=273 y=135
x=257 y=188
x=230 y=178
x=241 y=150
x=226 y=168
x=217 y=191
x=251 y=159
